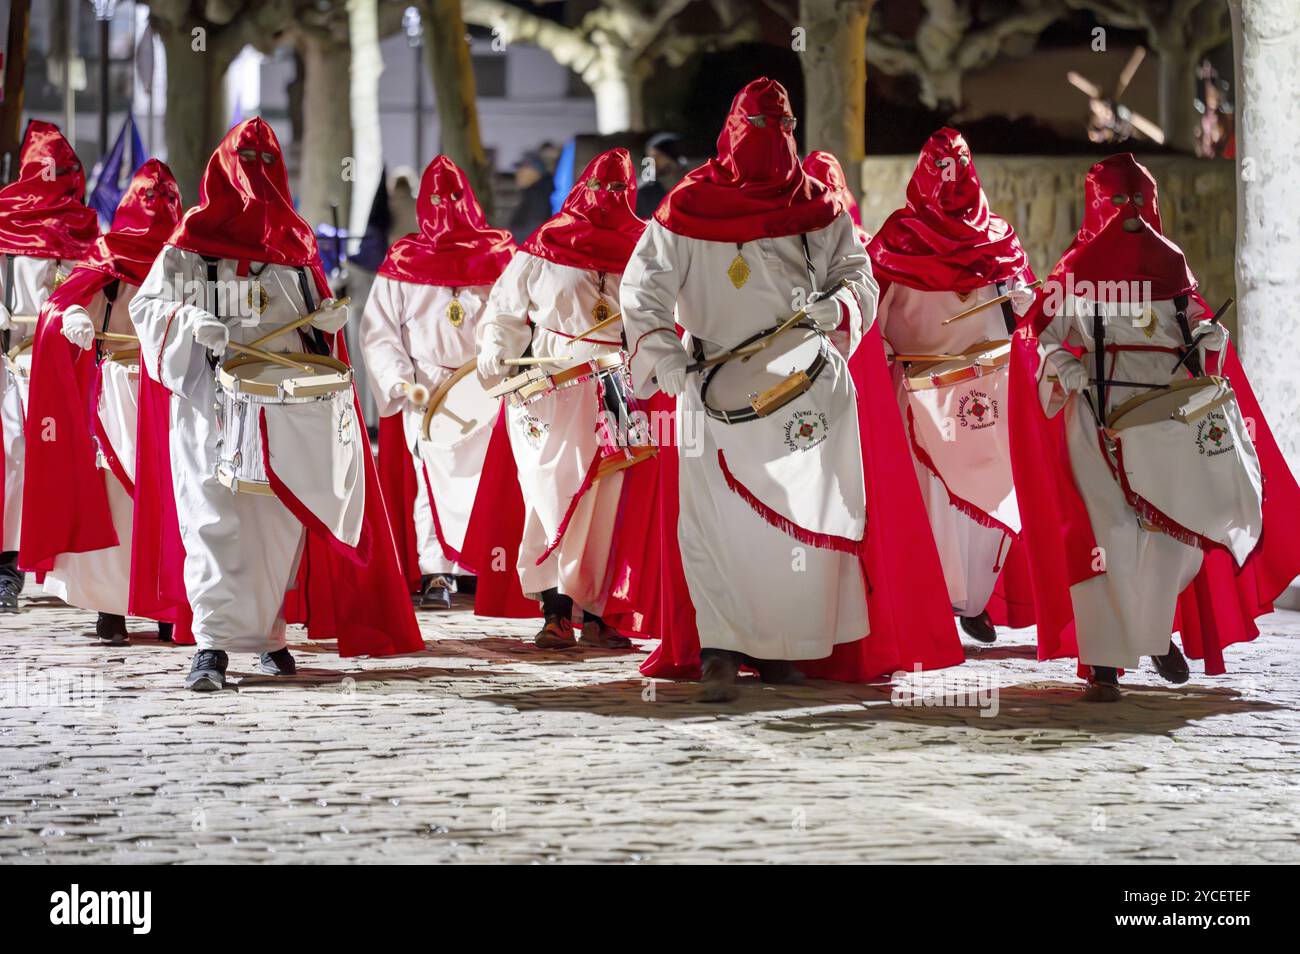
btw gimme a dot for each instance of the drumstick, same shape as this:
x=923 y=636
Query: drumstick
x=416 y=393
x=1214 y=320
x=294 y=325
x=984 y=304
x=268 y=356
x=598 y=326
x=517 y=362
x=24 y=319
x=926 y=357
x=111 y=336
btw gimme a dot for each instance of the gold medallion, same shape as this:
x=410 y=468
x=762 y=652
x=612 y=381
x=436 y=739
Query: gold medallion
x=600 y=312
x=1148 y=322
x=738 y=270
x=263 y=299
x=455 y=313
x=60 y=276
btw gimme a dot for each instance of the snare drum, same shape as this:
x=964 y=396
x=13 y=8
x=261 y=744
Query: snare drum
x=459 y=407
x=989 y=357
x=624 y=428
x=523 y=389
x=1185 y=461
x=748 y=387
x=245 y=384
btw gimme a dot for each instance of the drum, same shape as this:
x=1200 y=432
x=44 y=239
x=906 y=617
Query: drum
x=989 y=357
x=745 y=388
x=522 y=389
x=245 y=385
x=458 y=408
x=1187 y=465
x=625 y=437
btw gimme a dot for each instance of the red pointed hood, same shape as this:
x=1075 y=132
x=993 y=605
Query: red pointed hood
x=145 y=218
x=454 y=246
x=754 y=187
x=245 y=209
x=1120 y=240
x=946 y=238
x=824 y=167
x=597 y=227
x=42 y=212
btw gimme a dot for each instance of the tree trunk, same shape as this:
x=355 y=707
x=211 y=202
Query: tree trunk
x=1266 y=41
x=1178 y=117
x=195 y=109
x=327 y=129
x=11 y=110
x=835 y=80
x=453 y=84
x=367 y=65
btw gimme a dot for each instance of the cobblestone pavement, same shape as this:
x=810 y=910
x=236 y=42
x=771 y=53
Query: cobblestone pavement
x=482 y=748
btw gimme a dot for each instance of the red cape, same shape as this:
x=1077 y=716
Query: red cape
x=65 y=507
x=596 y=228
x=41 y=212
x=946 y=238
x=754 y=187
x=907 y=600
x=454 y=246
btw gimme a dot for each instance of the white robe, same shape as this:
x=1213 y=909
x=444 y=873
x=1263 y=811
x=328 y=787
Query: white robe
x=1126 y=612
x=100 y=580
x=407 y=336
x=911 y=321
x=554 y=438
x=34 y=279
x=241 y=550
x=756 y=590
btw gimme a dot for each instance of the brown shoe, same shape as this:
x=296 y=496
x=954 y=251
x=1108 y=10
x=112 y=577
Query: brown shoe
x=718 y=679
x=1172 y=666
x=556 y=634
x=1103 y=685
x=602 y=636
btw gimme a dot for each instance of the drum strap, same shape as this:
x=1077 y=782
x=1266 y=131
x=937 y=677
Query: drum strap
x=1008 y=314
x=1099 y=359
x=210 y=297
x=312 y=339
x=10 y=295
x=807 y=260
x=1180 y=313
x=110 y=297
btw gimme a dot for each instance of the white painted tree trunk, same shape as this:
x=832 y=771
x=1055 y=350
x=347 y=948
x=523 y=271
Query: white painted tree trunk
x=367 y=143
x=1266 y=41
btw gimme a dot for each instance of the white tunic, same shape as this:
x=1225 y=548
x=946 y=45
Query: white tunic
x=911 y=322
x=100 y=580
x=568 y=531
x=755 y=588
x=1126 y=612
x=34 y=279
x=407 y=336
x=241 y=550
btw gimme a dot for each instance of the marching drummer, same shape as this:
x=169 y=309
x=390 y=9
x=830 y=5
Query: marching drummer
x=558 y=300
x=942 y=255
x=773 y=512
x=418 y=328
x=1110 y=564
x=242 y=267
x=86 y=347
x=45 y=229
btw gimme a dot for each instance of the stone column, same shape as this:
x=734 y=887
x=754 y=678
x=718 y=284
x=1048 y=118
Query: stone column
x=1266 y=49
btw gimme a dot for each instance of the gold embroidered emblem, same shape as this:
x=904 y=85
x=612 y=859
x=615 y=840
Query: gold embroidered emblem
x=1148 y=322
x=600 y=312
x=738 y=271
x=456 y=313
x=60 y=276
x=263 y=299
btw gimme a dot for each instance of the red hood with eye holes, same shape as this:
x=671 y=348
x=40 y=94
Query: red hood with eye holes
x=42 y=212
x=454 y=246
x=946 y=238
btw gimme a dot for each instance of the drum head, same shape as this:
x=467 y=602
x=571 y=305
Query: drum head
x=253 y=375
x=734 y=384
x=1182 y=397
x=463 y=408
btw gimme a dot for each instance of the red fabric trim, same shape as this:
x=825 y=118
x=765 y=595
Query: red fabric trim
x=360 y=554
x=587 y=481
x=823 y=541
x=980 y=516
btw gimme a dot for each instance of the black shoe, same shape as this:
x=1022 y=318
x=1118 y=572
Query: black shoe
x=208 y=671
x=437 y=593
x=9 y=590
x=1103 y=685
x=278 y=663
x=111 y=629
x=718 y=677
x=777 y=672
x=165 y=632
x=979 y=627
x=1172 y=666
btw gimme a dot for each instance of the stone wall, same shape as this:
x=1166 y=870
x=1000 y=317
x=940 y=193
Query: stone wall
x=1042 y=197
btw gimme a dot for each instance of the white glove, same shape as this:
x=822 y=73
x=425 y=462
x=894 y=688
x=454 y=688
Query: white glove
x=1071 y=374
x=211 y=332
x=5 y=323
x=331 y=316
x=1210 y=336
x=824 y=313
x=670 y=373
x=1022 y=296
x=78 y=328
x=491 y=363
x=417 y=395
